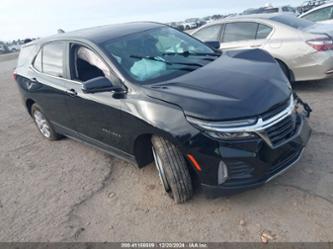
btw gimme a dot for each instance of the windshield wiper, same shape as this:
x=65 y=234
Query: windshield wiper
x=188 y=53
x=154 y=58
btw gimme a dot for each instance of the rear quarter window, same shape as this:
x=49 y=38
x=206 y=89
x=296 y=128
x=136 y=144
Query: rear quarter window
x=263 y=31
x=26 y=55
x=38 y=61
x=53 y=58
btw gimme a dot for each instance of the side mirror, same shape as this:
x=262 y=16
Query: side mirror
x=213 y=44
x=99 y=84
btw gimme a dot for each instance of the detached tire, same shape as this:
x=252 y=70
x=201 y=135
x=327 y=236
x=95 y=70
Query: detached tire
x=172 y=169
x=43 y=124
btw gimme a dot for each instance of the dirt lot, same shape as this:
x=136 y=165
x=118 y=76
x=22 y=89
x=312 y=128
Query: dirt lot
x=67 y=191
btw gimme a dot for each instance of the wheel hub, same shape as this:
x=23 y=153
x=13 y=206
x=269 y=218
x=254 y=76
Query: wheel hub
x=42 y=123
x=160 y=169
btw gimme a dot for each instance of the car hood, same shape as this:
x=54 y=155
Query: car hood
x=239 y=84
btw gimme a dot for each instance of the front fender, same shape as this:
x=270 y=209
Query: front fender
x=150 y=116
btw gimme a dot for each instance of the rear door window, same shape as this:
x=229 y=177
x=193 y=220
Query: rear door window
x=240 y=31
x=211 y=33
x=53 y=58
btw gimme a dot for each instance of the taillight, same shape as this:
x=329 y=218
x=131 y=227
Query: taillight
x=14 y=76
x=321 y=44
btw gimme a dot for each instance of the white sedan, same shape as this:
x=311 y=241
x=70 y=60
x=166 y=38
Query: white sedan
x=304 y=49
x=321 y=14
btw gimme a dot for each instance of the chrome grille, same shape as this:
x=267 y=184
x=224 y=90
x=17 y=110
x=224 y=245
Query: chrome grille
x=274 y=127
x=282 y=131
x=275 y=110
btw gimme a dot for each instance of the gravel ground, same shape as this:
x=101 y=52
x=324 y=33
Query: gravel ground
x=67 y=191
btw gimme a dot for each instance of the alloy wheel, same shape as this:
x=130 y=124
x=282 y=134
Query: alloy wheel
x=42 y=124
x=161 y=173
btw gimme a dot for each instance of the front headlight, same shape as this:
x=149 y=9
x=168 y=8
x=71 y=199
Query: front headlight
x=224 y=130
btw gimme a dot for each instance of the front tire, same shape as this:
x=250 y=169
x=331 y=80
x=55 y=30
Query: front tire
x=172 y=169
x=43 y=124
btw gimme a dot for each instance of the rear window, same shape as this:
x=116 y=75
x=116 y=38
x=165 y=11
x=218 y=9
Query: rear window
x=26 y=55
x=292 y=21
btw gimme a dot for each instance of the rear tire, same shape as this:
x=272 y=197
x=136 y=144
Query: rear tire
x=172 y=168
x=43 y=124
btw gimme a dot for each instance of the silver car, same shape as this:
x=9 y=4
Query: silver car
x=303 y=48
x=321 y=14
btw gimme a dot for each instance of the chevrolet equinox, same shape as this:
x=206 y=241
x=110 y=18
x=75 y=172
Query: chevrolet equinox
x=146 y=92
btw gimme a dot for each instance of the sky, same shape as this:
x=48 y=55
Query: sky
x=39 y=18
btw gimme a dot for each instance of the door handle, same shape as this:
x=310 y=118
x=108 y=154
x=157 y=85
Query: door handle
x=71 y=92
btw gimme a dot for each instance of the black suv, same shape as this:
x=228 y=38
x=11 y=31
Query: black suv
x=146 y=92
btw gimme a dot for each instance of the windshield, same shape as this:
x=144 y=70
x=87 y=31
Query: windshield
x=292 y=21
x=157 y=54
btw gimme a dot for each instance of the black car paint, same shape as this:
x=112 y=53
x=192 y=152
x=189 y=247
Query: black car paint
x=236 y=85
x=227 y=88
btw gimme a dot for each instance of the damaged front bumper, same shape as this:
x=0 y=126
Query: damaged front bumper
x=253 y=162
x=258 y=164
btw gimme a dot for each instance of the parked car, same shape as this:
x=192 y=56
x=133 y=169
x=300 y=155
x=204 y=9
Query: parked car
x=13 y=48
x=190 y=23
x=303 y=49
x=309 y=5
x=176 y=25
x=208 y=19
x=146 y=92
x=250 y=11
x=270 y=10
x=281 y=10
x=201 y=22
x=321 y=14
x=3 y=48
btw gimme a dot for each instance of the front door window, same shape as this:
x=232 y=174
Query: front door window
x=88 y=65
